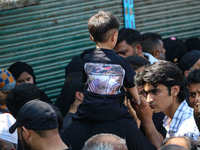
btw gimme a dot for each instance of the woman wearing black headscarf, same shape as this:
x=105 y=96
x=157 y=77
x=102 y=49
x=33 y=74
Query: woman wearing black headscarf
x=23 y=73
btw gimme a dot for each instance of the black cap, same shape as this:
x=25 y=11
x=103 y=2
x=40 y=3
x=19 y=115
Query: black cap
x=175 y=49
x=192 y=43
x=36 y=115
x=188 y=60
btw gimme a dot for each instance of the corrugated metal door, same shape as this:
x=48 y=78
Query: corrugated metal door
x=48 y=35
x=179 y=18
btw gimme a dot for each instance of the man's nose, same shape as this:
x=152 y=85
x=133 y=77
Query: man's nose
x=149 y=98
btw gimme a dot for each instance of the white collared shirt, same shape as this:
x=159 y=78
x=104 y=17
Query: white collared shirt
x=151 y=58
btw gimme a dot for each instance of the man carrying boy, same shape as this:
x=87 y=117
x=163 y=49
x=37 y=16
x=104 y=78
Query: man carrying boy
x=164 y=87
x=102 y=110
x=104 y=71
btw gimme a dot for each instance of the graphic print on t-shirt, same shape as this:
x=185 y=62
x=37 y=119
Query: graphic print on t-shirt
x=106 y=79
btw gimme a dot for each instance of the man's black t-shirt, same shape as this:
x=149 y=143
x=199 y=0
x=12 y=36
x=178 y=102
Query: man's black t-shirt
x=80 y=131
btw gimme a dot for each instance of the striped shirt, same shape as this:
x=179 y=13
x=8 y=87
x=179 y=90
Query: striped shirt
x=182 y=123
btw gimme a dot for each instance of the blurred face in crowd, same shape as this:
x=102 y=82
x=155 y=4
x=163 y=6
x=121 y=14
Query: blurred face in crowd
x=194 y=91
x=124 y=49
x=158 y=97
x=161 y=51
x=196 y=65
x=24 y=78
x=3 y=95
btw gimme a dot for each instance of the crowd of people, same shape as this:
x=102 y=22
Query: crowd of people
x=132 y=91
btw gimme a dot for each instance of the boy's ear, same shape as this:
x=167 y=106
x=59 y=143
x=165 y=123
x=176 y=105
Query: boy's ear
x=114 y=36
x=91 y=38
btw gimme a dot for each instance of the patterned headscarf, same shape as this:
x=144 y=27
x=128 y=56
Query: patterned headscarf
x=7 y=81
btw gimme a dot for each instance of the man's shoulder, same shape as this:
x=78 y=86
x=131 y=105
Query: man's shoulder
x=183 y=112
x=122 y=127
x=120 y=122
x=188 y=111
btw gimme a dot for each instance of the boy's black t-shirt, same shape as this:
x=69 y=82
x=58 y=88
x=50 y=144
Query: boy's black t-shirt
x=105 y=73
x=108 y=61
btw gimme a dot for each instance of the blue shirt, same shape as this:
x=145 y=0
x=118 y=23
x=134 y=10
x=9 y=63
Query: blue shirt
x=182 y=123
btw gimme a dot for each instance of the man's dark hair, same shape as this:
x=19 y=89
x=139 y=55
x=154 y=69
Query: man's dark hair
x=100 y=24
x=150 y=41
x=132 y=37
x=192 y=43
x=19 y=95
x=137 y=61
x=72 y=84
x=162 y=72
x=193 y=77
x=190 y=142
x=41 y=133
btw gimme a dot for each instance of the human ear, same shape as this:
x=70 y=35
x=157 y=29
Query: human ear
x=114 y=36
x=138 y=49
x=186 y=73
x=25 y=133
x=175 y=90
x=79 y=96
x=91 y=38
x=156 y=53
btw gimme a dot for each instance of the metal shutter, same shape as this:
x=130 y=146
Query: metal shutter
x=179 y=18
x=48 y=35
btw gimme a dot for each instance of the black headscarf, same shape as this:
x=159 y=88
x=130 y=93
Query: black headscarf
x=19 y=67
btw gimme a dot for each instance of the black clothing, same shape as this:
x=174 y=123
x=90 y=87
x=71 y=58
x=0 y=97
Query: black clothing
x=67 y=120
x=19 y=145
x=107 y=56
x=75 y=64
x=80 y=131
x=158 y=122
x=106 y=73
x=43 y=97
x=18 y=68
x=102 y=110
x=62 y=101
